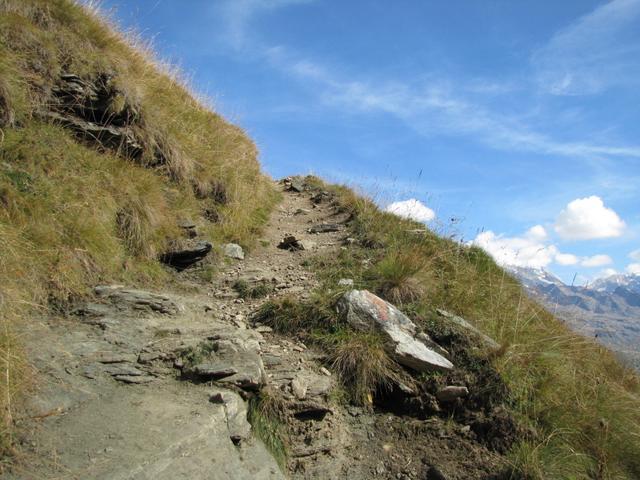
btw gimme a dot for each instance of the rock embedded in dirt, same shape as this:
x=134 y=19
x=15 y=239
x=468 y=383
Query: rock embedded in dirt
x=461 y=322
x=365 y=312
x=291 y=243
x=451 y=393
x=189 y=228
x=299 y=388
x=320 y=197
x=182 y=259
x=233 y=250
x=236 y=414
x=325 y=228
x=434 y=473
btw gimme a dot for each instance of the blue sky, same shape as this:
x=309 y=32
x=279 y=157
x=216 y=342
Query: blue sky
x=513 y=124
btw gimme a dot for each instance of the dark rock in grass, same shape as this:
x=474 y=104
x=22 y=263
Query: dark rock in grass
x=365 y=311
x=120 y=139
x=189 y=228
x=182 y=259
x=434 y=473
x=325 y=228
x=461 y=322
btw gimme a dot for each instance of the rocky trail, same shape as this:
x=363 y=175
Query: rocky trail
x=153 y=385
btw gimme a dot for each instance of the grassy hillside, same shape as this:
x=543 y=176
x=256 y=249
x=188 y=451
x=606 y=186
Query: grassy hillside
x=578 y=407
x=77 y=210
x=74 y=210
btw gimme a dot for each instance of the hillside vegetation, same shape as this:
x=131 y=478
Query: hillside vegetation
x=77 y=209
x=103 y=152
x=577 y=405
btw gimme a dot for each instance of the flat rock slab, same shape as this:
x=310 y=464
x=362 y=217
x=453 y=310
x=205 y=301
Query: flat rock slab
x=325 y=228
x=128 y=298
x=365 y=311
x=143 y=433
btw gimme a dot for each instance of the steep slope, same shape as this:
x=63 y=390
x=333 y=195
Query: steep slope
x=102 y=155
x=116 y=183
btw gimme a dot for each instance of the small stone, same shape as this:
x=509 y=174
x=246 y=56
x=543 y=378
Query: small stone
x=298 y=388
x=451 y=393
x=136 y=379
x=233 y=250
x=264 y=329
x=345 y=282
x=325 y=228
x=434 y=473
x=324 y=371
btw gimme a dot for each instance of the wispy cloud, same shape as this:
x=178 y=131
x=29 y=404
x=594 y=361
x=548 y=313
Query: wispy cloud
x=598 y=51
x=238 y=14
x=432 y=106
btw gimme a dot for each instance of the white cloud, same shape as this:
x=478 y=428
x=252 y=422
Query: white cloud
x=537 y=232
x=607 y=272
x=588 y=218
x=635 y=255
x=525 y=251
x=598 y=51
x=596 y=261
x=633 y=268
x=412 y=209
x=566 y=259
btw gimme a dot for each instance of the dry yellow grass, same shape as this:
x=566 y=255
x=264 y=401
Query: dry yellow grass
x=581 y=402
x=72 y=215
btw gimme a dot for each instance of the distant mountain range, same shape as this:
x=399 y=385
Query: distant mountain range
x=607 y=309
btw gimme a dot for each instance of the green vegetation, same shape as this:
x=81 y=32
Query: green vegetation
x=73 y=214
x=266 y=414
x=580 y=404
x=245 y=290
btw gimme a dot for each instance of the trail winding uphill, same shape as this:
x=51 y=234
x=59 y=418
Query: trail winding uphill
x=142 y=385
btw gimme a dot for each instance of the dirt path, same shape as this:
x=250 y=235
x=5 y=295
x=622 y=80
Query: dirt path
x=141 y=385
x=113 y=404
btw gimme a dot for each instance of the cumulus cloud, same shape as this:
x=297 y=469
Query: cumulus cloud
x=412 y=209
x=528 y=250
x=566 y=259
x=596 y=261
x=607 y=272
x=588 y=218
x=633 y=268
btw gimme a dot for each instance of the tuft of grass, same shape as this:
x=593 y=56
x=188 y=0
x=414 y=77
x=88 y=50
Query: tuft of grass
x=266 y=415
x=246 y=290
x=399 y=277
x=362 y=364
x=359 y=359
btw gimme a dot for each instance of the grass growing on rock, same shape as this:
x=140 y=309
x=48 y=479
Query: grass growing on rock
x=72 y=213
x=266 y=414
x=580 y=403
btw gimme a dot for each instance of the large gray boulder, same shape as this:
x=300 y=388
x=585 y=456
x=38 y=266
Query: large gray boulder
x=365 y=312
